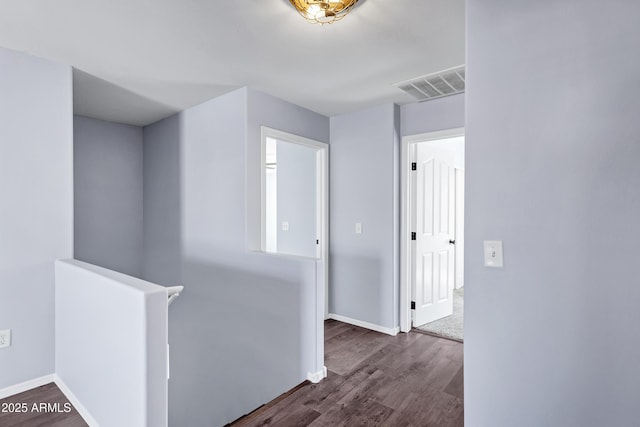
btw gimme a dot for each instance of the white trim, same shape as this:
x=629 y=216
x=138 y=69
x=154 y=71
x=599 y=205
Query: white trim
x=84 y=413
x=316 y=377
x=367 y=325
x=290 y=137
x=263 y=189
x=405 y=216
x=26 y=386
x=432 y=136
x=324 y=226
x=459 y=229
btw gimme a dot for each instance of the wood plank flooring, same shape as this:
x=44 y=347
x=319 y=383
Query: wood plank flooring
x=44 y=406
x=374 y=379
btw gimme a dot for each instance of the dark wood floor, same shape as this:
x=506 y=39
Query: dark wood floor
x=374 y=379
x=43 y=406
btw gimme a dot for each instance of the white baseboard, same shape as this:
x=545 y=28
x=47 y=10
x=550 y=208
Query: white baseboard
x=316 y=377
x=367 y=325
x=75 y=402
x=25 y=386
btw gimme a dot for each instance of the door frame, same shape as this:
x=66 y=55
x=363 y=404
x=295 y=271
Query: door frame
x=406 y=189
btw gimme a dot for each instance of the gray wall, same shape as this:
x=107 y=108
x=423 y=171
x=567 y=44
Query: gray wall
x=161 y=200
x=296 y=174
x=36 y=207
x=266 y=110
x=243 y=330
x=107 y=168
x=552 y=157
x=438 y=114
x=364 y=188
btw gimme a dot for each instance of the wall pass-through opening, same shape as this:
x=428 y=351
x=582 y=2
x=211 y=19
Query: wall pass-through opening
x=293 y=195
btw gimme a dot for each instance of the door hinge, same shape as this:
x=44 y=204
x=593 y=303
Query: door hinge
x=413 y=235
x=317 y=242
x=414 y=166
x=413 y=305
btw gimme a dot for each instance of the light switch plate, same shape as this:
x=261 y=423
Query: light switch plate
x=5 y=338
x=358 y=228
x=493 y=253
x=285 y=226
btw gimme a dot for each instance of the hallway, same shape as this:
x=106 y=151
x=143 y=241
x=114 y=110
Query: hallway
x=377 y=380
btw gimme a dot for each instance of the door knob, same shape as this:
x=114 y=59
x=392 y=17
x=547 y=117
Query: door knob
x=452 y=242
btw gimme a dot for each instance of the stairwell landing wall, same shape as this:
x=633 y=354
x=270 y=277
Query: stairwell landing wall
x=108 y=199
x=243 y=331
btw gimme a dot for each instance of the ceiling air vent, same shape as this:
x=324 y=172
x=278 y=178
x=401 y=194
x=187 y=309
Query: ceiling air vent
x=436 y=85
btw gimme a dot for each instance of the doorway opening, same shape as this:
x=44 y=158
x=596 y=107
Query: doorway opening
x=432 y=252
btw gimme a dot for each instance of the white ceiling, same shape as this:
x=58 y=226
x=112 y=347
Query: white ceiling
x=137 y=61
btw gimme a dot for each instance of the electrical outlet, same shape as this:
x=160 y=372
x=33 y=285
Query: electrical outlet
x=5 y=338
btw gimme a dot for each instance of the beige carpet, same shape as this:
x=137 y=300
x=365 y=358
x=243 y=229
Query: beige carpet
x=450 y=326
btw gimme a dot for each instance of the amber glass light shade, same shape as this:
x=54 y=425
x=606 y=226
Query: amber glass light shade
x=323 y=11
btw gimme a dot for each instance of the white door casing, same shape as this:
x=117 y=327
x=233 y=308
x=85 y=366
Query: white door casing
x=434 y=225
x=459 y=283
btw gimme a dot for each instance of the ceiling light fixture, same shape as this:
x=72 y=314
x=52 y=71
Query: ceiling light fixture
x=323 y=11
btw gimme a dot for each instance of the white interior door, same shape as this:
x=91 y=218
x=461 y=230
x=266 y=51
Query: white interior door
x=434 y=222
